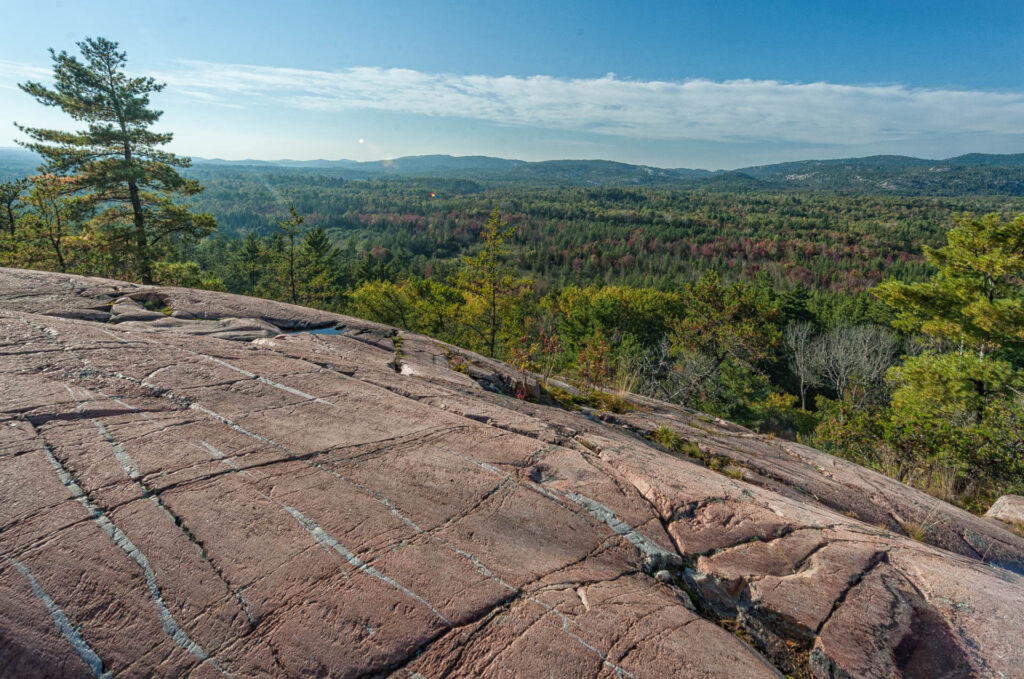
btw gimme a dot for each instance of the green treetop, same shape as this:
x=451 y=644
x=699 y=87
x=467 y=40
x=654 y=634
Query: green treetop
x=727 y=321
x=976 y=299
x=494 y=287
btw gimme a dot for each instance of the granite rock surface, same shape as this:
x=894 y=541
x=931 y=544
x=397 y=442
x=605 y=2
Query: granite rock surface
x=1008 y=508
x=195 y=486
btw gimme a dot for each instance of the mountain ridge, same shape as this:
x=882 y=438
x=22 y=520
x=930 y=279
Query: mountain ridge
x=475 y=161
x=968 y=174
x=448 y=161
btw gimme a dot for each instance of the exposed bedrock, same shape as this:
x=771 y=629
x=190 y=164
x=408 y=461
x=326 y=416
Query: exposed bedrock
x=192 y=488
x=1008 y=508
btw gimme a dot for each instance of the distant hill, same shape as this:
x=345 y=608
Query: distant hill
x=988 y=160
x=970 y=174
x=16 y=163
x=590 y=173
x=733 y=180
x=806 y=166
x=405 y=165
x=485 y=168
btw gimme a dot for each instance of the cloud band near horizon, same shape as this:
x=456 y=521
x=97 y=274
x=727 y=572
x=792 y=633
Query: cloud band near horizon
x=725 y=111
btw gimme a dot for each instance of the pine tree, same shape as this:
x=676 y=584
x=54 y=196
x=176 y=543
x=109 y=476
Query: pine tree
x=52 y=218
x=976 y=299
x=116 y=161
x=727 y=321
x=493 y=285
x=320 y=273
x=249 y=260
x=292 y=228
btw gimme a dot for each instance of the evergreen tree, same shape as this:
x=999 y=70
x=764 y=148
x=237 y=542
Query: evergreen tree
x=494 y=288
x=374 y=266
x=793 y=305
x=292 y=228
x=953 y=425
x=116 y=161
x=52 y=218
x=976 y=299
x=320 y=272
x=727 y=321
x=249 y=259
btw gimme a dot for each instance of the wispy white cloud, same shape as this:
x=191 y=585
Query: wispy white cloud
x=723 y=111
x=207 y=98
x=734 y=110
x=15 y=71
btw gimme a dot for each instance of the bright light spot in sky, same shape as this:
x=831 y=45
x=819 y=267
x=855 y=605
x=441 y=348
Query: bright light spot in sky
x=361 y=140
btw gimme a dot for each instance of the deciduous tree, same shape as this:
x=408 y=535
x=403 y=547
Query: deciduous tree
x=799 y=339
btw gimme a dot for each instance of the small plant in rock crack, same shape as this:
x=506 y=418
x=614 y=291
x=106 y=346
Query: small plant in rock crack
x=396 y=340
x=676 y=443
x=915 y=531
x=456 y=362
x=613 y=403
x=521 y=390
x=733 y=472
x=561 y=397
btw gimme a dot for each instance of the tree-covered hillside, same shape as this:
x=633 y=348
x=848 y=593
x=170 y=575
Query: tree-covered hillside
x=968 y=175
x=655 y=236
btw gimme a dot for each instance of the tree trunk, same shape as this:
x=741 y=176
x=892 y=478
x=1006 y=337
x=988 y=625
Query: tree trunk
x=141 y=246
x=494 y=319
x=60 y=255
x=141 y=241
x=291 y=267
x=57 y=237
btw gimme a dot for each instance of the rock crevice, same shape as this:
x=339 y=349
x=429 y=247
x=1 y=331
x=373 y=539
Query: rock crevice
x=187 y=492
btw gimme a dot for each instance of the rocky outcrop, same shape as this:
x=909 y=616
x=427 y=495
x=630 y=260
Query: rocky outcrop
x=193 y=486
x=1008 y=508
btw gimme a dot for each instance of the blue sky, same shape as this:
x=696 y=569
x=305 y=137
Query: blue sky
x=673 y=84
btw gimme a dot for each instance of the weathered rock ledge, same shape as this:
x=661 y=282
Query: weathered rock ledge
x=186 y=491
x=1009 y=509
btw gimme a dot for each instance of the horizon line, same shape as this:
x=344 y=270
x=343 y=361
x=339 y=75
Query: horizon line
x=553 y=160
